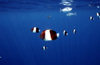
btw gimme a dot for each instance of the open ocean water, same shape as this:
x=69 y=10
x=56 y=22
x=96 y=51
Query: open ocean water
x=20 y=46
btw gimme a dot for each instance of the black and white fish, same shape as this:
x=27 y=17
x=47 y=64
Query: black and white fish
x=35 y=30
x=44 y=48
x=98 y=14
x=65 y=33
x=74 y=31
x=49 y=35
x=91 y=18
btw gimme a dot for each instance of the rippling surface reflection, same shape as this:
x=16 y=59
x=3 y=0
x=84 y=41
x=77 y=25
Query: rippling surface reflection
x=50 y=4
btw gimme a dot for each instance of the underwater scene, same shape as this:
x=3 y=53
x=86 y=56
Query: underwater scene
x=49 y=32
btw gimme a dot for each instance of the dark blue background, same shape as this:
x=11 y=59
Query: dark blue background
x=19 y=46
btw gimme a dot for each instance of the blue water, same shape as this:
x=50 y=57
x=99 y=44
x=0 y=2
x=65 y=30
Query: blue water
x=19 y=46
